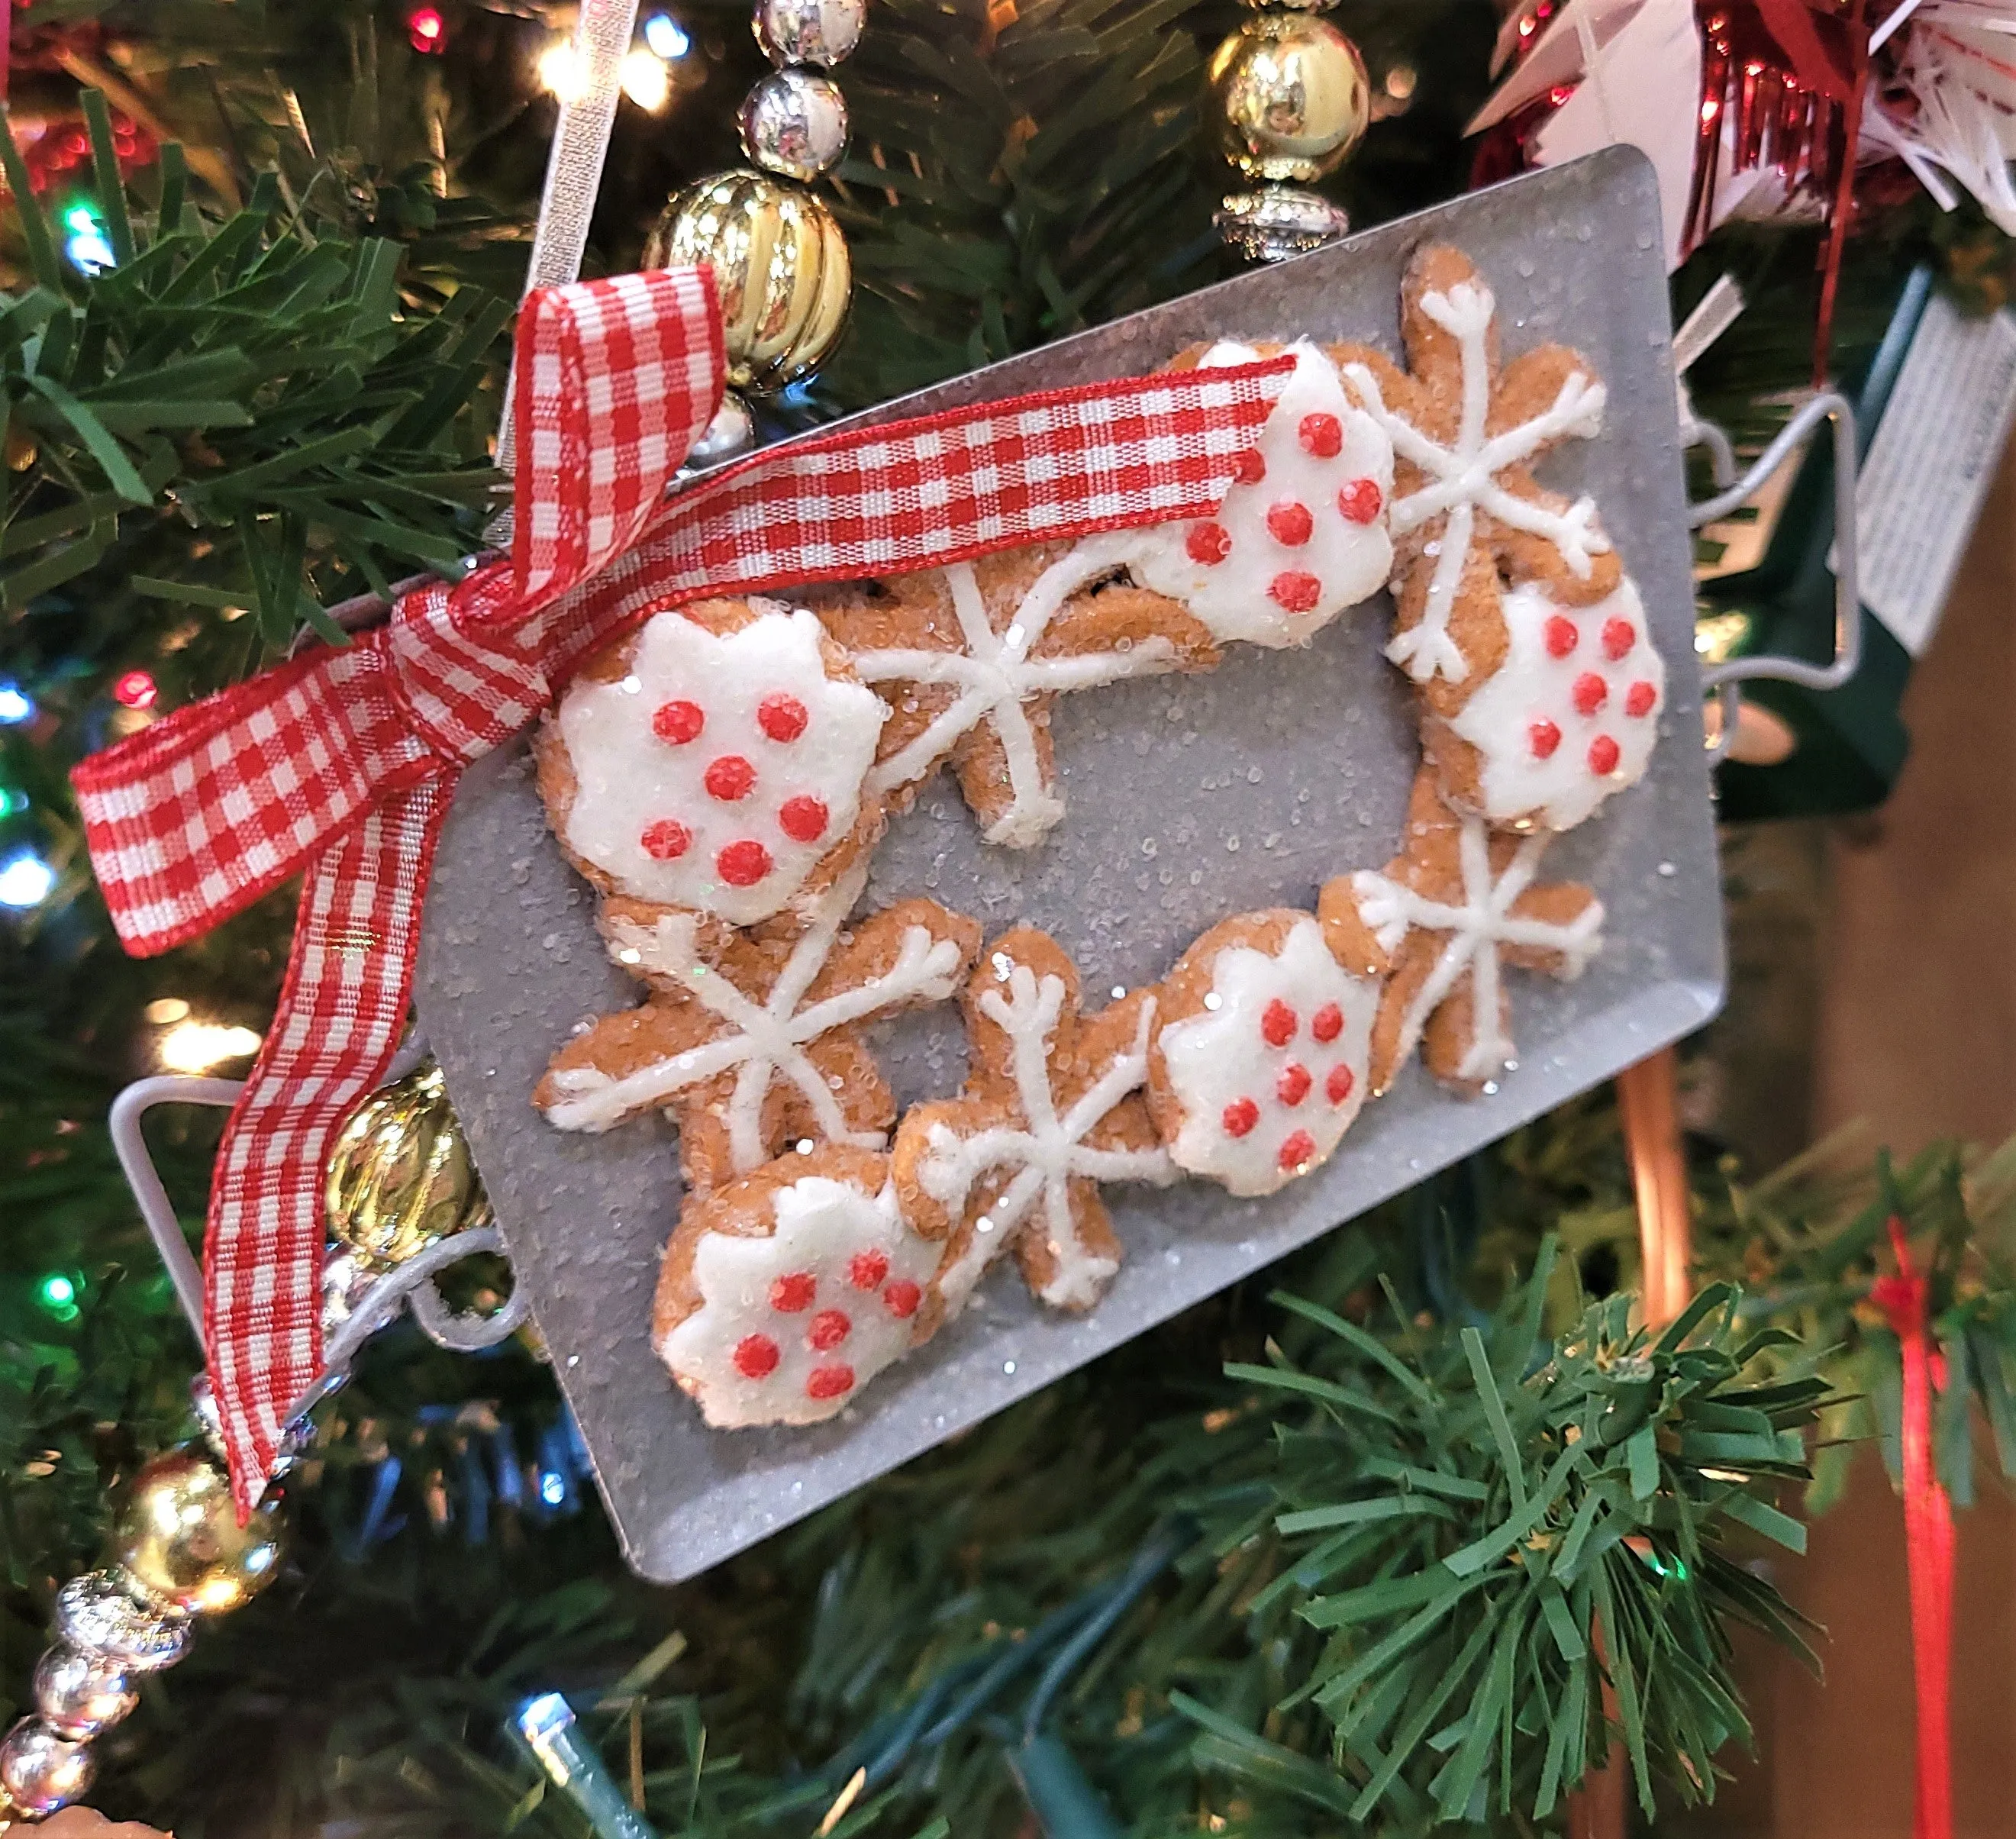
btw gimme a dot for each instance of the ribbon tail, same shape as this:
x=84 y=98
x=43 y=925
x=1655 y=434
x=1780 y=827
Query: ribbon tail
x=340 y=1017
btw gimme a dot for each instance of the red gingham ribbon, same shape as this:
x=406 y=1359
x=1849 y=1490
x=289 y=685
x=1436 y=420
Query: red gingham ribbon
x=341 y=763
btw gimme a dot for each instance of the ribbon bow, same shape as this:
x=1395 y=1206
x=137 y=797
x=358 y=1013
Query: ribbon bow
x=341 y=764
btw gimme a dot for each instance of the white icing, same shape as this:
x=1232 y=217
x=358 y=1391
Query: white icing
x=1461 y=479
x=1234 y=1086
x=629 y=778
x=1047 y=1152
x=760 y=1042
x=994 y=676
x=1348 y=557
x=1542 y=756
x=1477 y=927
x=832 y=1237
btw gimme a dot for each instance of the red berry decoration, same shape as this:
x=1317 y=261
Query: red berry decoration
x=743 y=863
x=829 y=1329
x=1638 y=699
x=1327 y=1023
x=1240 y=1117
x=794 y=1292
x=1563 y=635
x=678 y=722
x=1619 y=636
x=1250 y=469
x=1278 y=1024
x=1297 y=1148
x=830 y=1382
x=666 y=841
x=1336 y=1088
x=1293 y=591
x=1590 y=693
x=902 y=1298
x=1289 y=523
x=1209 y=543
x=729 y=777
x=867 y=1269
x=1294 y=1084
x=802 y=819
x=1321 y=435
x=782 y=718
x=1544 y=737
x=1361 y=500
x=755 y=1356
x=1602 y=755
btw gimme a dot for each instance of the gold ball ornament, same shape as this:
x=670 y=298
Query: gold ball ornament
x=780 y=266
x=399 y=1176
x=1292 y=94
x=179 y=1543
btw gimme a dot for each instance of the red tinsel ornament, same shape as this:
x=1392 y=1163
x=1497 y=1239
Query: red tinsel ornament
x=1783 y=87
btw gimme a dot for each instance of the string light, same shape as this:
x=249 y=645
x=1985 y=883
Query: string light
x=667 y=38
x=164 y=1011
x=561 y=74
x=16 y=706
x=84 y=240
x=645 y=81
x=12 y=802
x=426 y=29
x=26 y=880
x=57 y=1293
x=135 y=689
x=196 y=1046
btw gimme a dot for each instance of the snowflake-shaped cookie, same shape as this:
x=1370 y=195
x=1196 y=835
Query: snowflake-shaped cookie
x=1261 y=1057
x=1301 y=533
x=781 y=1294
x=1453 y=908
x=1464 y=433
x=1051 y=1109
x=971 y=657
x=751 y=1043
x=714 y=761
x=1568 y=717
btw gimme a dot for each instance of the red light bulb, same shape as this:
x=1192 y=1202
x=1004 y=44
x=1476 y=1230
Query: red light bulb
x=425 y=28
x=135 y=689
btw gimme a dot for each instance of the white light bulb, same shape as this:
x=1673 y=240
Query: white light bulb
x=561 y=74
x=26 y=880
x=644 y=80
x=196 y=1047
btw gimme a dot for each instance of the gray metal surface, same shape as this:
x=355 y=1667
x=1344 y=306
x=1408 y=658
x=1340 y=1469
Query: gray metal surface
x=1189 y=798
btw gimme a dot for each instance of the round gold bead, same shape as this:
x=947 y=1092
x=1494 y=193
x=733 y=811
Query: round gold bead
x=1292 y=94
x=179 y=1543
x=399 y=1176
x=780 y=267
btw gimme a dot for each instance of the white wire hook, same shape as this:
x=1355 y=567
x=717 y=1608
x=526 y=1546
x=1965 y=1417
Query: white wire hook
x=1724 y=678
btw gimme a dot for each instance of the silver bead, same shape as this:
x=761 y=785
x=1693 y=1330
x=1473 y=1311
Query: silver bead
x=809 y=31
x=95 y=1615
x=41 y=1771
x=732 y=432
x=1277 y=221
x=345 y=1281
x=795 y=122
x=81 y=1694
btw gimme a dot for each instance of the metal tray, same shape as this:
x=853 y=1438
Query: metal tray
x=1189 y=798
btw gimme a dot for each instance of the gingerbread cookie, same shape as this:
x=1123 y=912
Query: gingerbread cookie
x=971 y=658
x=1301 y=533
x=749 y=1041
x=1453 y=908
x=781 y=1294
x=714 y=761
x=1260 y=1052
x=1466 y=508
x=1051 y=1109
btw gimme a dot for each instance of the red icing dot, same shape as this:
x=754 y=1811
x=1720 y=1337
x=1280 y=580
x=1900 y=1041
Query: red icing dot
x=1291 y=524
x=1360 y=500
x=1294 y=1084
x=1338 y=1086
x=1562 y=635
x=1295 y=591
x=1250 y=470
x=1209 y=543
x=782 y=718
x=1619 y=636
x=666 y=841
x=755 y=1356
x=729 y=777
x=802 y=819
x=1327 y=1023
x=678 y=722
x=902 y=1298
x=743 y=863
x=794 y=1292
x=829 y=1328
x=1544 y=737
x=1321 y=435
x=1590 y=693
x=1240 y=1117
x=1296 y=1148
x=1603 y=754
x=867 y=1269
x=830 y=1382
x=1278 y=1024
x=1638 y=699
